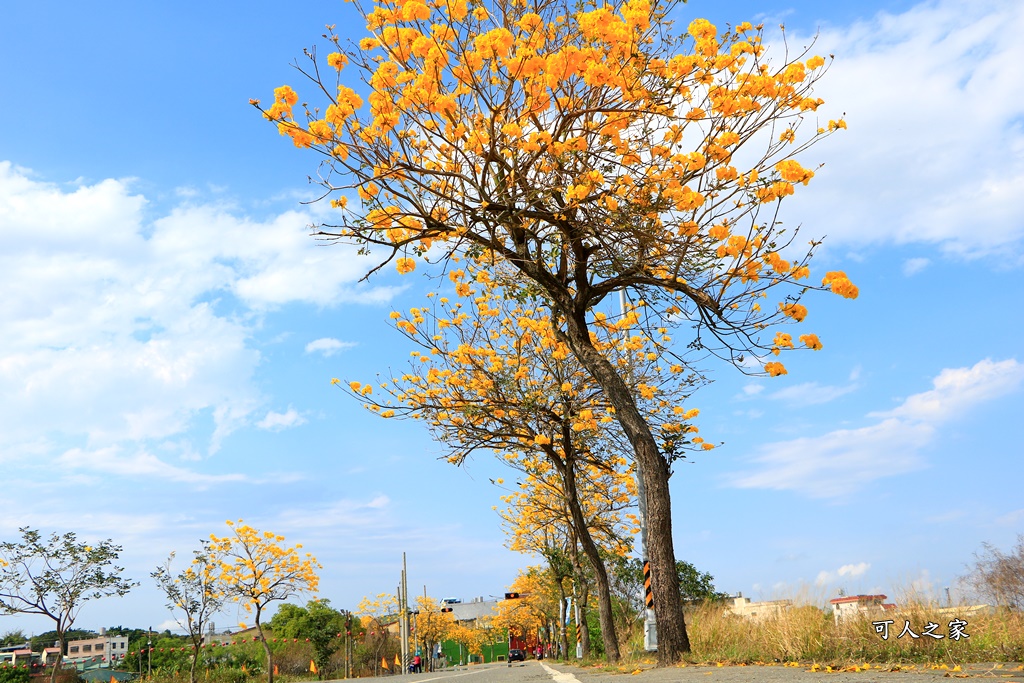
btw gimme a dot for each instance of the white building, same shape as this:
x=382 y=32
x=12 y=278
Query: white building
x=744 y=607
x=855 y=605
x=102 y=648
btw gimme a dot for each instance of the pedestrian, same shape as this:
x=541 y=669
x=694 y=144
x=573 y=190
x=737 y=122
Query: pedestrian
x=417 y=664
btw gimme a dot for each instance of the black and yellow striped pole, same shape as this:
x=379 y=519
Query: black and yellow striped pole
x=579 y=637
x=648 y=592
x=579 y=630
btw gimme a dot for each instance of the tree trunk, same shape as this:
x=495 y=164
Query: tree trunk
x=60 y=656
x=583 y=625
x=266 y=647
x=604 y=595
x=196 y=649
x=672 y=638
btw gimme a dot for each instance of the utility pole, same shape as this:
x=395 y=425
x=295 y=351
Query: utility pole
x=403 y=608
x=348 y=643
x=149 y=650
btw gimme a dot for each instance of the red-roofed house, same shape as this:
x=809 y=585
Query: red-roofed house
x=854 y=605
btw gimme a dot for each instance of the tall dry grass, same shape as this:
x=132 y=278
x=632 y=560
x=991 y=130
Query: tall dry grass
x=809 y=633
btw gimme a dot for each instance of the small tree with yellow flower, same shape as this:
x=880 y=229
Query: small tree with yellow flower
x=195 y=593
x=255 y=569
x=432 y=625
x=536 y=607
x=538 y=519
x=595 y=152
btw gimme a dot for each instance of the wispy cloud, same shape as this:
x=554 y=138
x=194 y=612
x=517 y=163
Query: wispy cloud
x=851 y=571
x=811 y=393
x=328 y=346
x=895 y=181
x=913 y=266
x=959 y=389
x=112 y=462
x=840 y=462
x=275 y=422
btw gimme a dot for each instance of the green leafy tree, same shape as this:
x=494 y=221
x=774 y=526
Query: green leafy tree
x=695 y=586
x=15 y=637
x=54 y=577
x=12 y=675
x=318 y=622
x=161 y=652
x=195 y=594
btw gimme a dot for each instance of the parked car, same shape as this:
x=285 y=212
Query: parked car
x=515 y=655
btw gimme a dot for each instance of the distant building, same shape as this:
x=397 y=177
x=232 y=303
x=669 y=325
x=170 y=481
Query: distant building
x=851 y=606
x=472 y=611
x=102 y=648
x=16 y=655
x=962 y=611
x=744 y=607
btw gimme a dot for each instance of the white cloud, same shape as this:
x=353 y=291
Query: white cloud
x=1011 y=519
x=810 y=393
x=959 y=389
x=328 y=346
x=141 y=464
x=846 y=571
x=853 y=569
x=277 y=421
x=752 y=389
x=170 y=625
x=120 y=330
x=914 y=265
x=839 y=462
x=935 y=147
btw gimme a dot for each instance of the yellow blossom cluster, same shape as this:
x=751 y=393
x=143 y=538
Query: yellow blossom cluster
x=840 y=284
x=257 y=568
x=577 y=143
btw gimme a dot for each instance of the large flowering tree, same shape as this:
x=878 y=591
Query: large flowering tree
x=594 y=152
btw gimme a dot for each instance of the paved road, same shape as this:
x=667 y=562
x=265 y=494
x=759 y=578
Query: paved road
x=545 y=672
x=781 y=674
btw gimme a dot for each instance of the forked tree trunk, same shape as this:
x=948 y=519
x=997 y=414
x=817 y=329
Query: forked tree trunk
x=604 y=594
x=673 y=641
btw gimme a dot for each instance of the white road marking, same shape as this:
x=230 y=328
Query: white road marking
x=558 y=676
x=438 y=678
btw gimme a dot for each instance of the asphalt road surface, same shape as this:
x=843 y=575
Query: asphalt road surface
x=544 y=672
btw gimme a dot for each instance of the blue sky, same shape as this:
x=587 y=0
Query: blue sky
x=169 y=330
